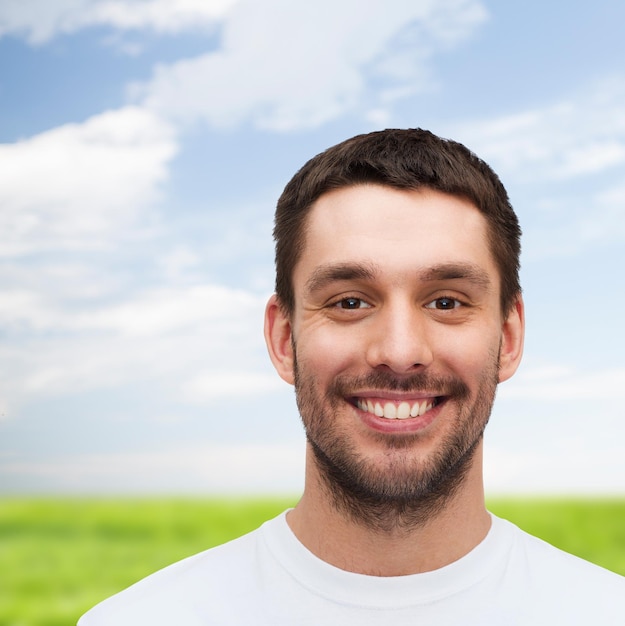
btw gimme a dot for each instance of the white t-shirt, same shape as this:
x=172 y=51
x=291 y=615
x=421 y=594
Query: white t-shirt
x=269 y=578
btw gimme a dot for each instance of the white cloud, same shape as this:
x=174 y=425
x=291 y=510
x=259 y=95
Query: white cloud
x=150 y=313
x=161 y=15
x=211 y=384
x=281 y=66
x=556 y=429
x=564 y=163
x=569 y=466
x=172 y=309
x=166 y=334
x=580 y=136
x=558 y=383
x=77 y=184
x=41 y=20
x=606 y=221
x=568 y=224
x=210 y=468
x=285 y=66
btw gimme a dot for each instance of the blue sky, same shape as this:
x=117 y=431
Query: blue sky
x=143 y=145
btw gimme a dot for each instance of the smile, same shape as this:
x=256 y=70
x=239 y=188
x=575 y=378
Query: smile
x=396 y=410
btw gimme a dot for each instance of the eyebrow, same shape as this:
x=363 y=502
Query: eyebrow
x=457 y=271
x=325 y=275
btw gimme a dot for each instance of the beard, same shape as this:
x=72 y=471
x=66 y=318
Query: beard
x=405 y=488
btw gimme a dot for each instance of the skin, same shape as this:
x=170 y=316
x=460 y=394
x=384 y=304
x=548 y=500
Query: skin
x=400 y=285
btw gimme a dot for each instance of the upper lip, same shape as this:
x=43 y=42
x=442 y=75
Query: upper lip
x=394 y=396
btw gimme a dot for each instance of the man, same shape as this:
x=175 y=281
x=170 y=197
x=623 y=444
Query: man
x=397 y=312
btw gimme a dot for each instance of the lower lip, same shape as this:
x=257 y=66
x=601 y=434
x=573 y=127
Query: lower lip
x=409 y=425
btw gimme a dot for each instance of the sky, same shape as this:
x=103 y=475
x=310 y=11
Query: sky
x=143 y=146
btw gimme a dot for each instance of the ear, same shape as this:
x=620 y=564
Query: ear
x=278 y=336
x=512 y=337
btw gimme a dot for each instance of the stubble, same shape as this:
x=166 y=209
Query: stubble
x=407 y=488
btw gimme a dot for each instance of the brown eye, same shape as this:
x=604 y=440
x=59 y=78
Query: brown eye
x=352 y=304
x=444 y=304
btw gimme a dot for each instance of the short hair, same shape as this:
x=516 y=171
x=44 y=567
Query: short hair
x=403 y=159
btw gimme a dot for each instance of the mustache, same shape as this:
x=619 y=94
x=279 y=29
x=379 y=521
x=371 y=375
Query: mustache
x=386 y=381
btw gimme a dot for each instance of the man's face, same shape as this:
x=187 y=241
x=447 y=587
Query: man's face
x=397 y=340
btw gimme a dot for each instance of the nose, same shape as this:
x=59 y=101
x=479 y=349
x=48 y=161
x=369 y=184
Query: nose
x=399 y=339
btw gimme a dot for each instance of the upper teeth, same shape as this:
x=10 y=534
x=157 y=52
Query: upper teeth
x=391 y=410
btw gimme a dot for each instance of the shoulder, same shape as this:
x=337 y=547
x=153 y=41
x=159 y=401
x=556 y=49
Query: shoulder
x=548 y=559
x=181 y=592
x=557 y=582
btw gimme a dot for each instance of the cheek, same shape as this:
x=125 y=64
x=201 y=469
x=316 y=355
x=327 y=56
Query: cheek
x=326 y=352
x=471 y=354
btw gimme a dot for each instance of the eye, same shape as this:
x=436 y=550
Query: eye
x=445 y=303
x=352 y=304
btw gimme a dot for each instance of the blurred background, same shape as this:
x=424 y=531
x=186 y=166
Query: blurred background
x=143 y=147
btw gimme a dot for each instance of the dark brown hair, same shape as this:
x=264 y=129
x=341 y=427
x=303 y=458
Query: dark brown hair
x=403 y=159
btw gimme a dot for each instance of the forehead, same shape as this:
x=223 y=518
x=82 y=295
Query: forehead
x=395 y=230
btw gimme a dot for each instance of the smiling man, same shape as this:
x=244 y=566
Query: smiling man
x=397 y=313
x=395 y=342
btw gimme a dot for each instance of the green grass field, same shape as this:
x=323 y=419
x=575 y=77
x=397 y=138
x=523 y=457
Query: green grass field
x=59 y=557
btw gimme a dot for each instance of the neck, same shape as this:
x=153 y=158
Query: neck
x=404 y=541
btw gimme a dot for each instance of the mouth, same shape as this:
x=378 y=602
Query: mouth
x=393 y=409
